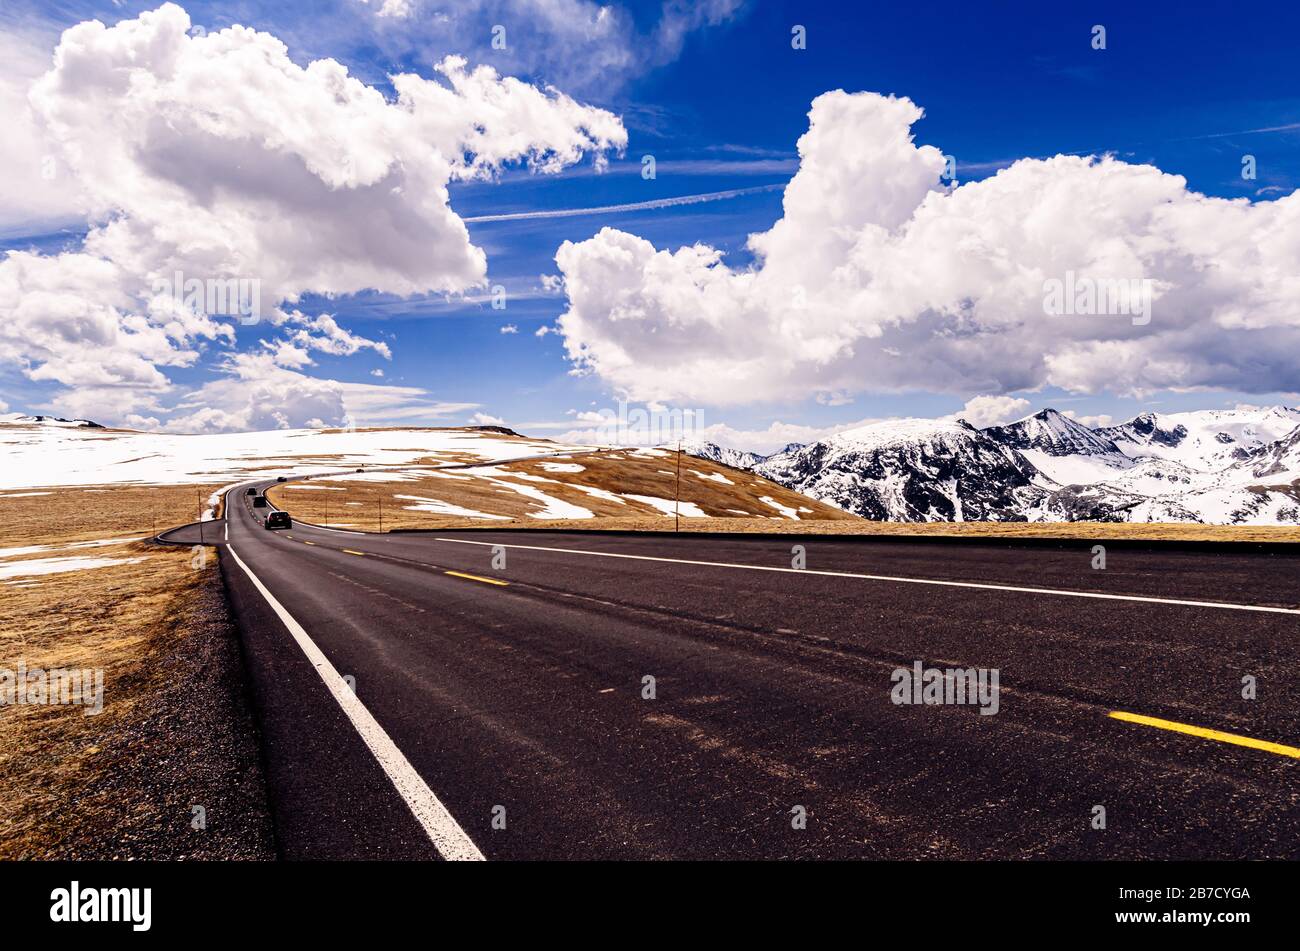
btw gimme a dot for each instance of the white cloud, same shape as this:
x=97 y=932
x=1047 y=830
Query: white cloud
x=218 y=157
x=834 y=399
x=878 y=278
x=981 y=411
x=37 y=193
x=257 y=393
x=399 y=9
x=483 y=419
x=509 y=329
x=1092 y=422
x=323 y=333
x=72 y=319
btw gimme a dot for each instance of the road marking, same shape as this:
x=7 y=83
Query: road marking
x=349 y=551
x=461 y=574
x=337 y=531
x=444 y=832
x=305 y=542
x=1223 y=605
x=1203 y=733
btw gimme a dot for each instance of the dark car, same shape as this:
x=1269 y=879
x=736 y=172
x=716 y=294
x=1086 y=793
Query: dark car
x=278 y=520
x=259 y=501
x=358 y=470
x=251 y=491
x=281 y=479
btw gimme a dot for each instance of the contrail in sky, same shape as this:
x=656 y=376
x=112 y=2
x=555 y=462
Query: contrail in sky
x=631 y=206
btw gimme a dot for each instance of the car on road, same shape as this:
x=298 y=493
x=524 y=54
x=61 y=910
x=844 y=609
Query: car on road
x=259 y=501
x=281 y=479
x=278 y=520
x=251 y=491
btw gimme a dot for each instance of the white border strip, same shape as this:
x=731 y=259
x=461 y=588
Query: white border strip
x=849 y=574
x=446 y=834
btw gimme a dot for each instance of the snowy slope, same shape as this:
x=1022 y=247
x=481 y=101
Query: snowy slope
x=1066 y=452
x=36 y=455
x=1206 y=439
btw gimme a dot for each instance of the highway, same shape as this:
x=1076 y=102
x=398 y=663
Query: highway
x=503 y=712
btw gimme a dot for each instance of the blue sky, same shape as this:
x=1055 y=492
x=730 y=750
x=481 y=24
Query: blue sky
x=1187 y=88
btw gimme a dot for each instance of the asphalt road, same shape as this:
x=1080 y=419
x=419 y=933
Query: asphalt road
x=523 y=703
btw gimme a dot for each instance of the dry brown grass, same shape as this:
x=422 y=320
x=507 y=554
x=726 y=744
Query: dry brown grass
x=357 y=504
x=60 y=770
x=97 y=511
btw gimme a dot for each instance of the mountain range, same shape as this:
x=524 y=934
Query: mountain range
x=1237 y=466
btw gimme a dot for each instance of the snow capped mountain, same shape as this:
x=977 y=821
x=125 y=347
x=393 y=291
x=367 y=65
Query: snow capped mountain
x=21 y=420
x=1054 y=434
x=736 y=458
x=1065 y=451
x=1207 y=439
x=910 y=470
x=1216 y=466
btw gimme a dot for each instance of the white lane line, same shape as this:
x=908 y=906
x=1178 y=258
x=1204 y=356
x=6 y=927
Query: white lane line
x=339 y=531
x=446 y=834
x=931 y=581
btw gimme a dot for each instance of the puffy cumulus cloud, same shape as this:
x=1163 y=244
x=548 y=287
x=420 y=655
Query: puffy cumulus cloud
x=218 y=155
x=216 y=158
x=36 y=192
x=255 y=392
x=322 y=333
x=878 y=278
x=1099 y=421
x=72 y=319
x=981 y=411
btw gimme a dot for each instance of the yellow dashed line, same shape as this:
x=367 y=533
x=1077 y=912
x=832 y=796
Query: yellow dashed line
x=349 y=551
x=459 y=574
x=1203 y=733
x=305 y=542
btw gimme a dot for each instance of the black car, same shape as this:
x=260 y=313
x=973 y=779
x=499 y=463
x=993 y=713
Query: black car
x=251 y=491
x=278 y=520
x=259 y=501
x=281 y=479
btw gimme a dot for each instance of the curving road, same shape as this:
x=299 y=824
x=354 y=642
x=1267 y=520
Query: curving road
x=502 y=712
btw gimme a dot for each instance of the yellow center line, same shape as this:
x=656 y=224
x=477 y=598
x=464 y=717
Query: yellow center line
x=349 y=551
x=461 y=574
x=305 y=542
x=1203 y=733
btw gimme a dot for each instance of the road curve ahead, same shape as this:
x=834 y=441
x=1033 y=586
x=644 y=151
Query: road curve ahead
x=587 y=696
